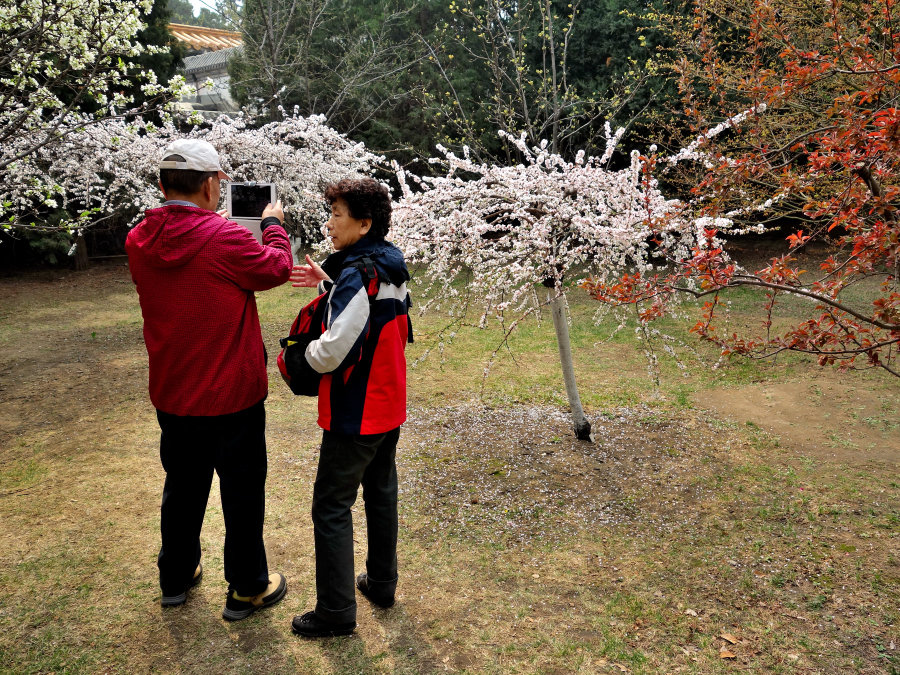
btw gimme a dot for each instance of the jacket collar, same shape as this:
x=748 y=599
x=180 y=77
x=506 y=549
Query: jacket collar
x=336 y=261
x=387 y=258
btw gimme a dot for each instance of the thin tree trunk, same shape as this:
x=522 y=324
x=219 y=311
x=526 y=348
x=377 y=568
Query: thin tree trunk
x=554 y=134
x=580 y=423
x=81 y=253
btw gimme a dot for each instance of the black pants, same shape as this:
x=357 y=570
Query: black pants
x=191 y=448
x=345 y=462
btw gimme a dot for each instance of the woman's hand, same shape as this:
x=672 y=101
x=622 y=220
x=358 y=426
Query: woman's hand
x=308 y=275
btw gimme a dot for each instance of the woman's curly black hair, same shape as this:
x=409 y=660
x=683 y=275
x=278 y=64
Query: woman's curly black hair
x=365 y=198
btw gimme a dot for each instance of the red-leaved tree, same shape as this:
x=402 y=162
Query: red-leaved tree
x=820 y=151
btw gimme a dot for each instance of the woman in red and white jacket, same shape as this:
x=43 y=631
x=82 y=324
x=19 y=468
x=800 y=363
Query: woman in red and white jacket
x=362 y=403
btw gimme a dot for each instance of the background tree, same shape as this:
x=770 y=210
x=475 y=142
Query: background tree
x=163 y=59
x=618 y=53
x=552 y=70
x=821 y=150
x=60 y=60
x=160 y=59
x=337 y=58
x=402 y=77
x=182 y=11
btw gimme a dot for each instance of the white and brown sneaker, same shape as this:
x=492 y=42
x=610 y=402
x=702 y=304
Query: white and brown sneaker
x=239 y=607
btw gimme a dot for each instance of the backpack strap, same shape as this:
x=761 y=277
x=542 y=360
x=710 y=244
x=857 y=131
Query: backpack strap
x=369 y=274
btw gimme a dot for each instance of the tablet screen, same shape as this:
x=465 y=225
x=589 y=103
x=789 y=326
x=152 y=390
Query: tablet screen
x=248 y=201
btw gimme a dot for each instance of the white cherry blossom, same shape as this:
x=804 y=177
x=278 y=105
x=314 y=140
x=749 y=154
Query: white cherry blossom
x=111 y=167
x=487 y=234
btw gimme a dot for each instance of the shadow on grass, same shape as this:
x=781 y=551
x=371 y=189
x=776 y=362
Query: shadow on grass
x=403 y=648
x=197 y=643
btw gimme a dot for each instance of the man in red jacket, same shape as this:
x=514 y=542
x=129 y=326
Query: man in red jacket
x=196 y=273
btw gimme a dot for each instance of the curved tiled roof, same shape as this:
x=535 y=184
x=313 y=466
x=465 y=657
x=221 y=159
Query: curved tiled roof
x=199 y=37
x=208 y=60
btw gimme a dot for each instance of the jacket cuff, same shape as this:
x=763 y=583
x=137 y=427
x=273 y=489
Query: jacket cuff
x=271 y=220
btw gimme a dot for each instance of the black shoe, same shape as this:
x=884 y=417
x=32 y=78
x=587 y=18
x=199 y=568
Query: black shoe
x=383 y=601
x=312 y=626
x=238 y=607
x=176 y=600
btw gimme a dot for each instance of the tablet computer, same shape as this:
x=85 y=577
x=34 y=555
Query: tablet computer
x=245 y=203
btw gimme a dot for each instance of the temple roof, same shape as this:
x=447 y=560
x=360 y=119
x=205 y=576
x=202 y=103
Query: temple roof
x=198 y=37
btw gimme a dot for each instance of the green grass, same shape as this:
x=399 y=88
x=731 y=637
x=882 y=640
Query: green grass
x=21 y=475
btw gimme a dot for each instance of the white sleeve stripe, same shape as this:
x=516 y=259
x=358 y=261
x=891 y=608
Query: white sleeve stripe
x=389 y=291
x=328 y=352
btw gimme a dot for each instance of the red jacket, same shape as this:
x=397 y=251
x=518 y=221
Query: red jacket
x=195 y=274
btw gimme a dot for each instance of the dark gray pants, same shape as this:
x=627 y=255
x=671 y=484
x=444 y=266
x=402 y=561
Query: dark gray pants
x=345 y=462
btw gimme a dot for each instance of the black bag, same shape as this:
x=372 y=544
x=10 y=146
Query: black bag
x=308 y=327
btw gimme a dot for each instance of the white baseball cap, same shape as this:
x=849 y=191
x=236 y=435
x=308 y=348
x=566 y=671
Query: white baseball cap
x=198 y=156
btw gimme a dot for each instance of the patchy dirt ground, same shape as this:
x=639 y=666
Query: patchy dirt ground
x=519 y=476
x=769 y=514
x=819 y=416
x=699 y=529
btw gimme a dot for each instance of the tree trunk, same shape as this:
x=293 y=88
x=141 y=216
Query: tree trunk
x=561 y=324
x=81 y=253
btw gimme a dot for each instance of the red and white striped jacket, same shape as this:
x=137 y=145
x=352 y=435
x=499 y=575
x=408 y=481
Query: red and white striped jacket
x=361 y=352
